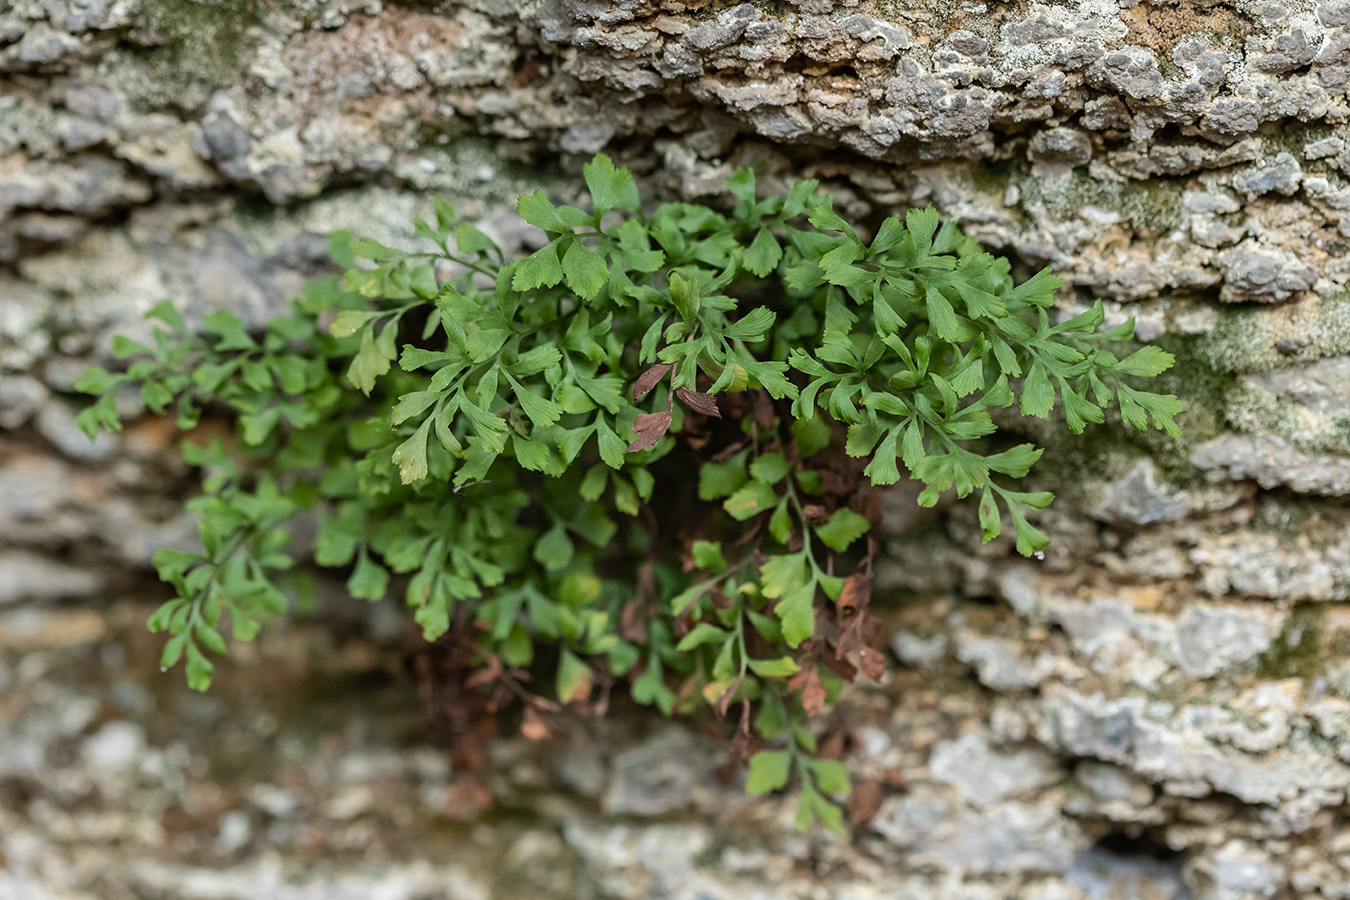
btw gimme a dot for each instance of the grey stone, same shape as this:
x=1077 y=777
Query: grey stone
x=665 y=850
x=44 y=45
x=1140 y=498
x=94 y=101
x=235 y=832
x=56 y=423
x=1210 y=202
x=1061 y=145
x=225 y=138
x=655 y=778
x=1290 y=50
x=1256 y=273
x=919 y=652
x=1323 y=386
x=1211 y=639
x=983 y=777
x=51 y=229
x=1000 y=664
x=80 y=134
x=722 y=30
x=1104 y=875
x=1333 y=13
x=27 y=575
x=1112 y=784
x=1101 y=622
x=1282 y=175
x=117 y=747
x=1240 y=871
x=20 y=397
x=1133 y=71
x=1273 y=462
x=1009 y=837
x=1230 y=118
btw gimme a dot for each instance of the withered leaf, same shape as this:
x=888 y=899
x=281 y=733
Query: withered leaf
x=872 y=508
x=764 y=416
x=650 y=379
x=705 y=404
x=856 y=593
x=601 y=707
x=633 y=621
x=865 y=801
x=724 y=701
x=688 y=687
x=740 y=740
x=872 y=662
x=727 y=453
x=533 y=726
x=813 y=692
x=836 y=663
x=814 y=513
x=489 y=673
x=840 y=484
x=649 y=428
x=834 y=741
x=580 y=690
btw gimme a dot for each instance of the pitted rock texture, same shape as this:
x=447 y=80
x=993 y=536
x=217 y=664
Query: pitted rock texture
x=1159 y=708
x=1141 y=148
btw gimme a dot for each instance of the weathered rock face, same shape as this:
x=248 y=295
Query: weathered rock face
x=1161 y=707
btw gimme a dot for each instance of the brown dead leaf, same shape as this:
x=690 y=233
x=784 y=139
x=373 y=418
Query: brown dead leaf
x=813 y=693
x=857 y=592
x=740 y=741
x=650 y=379
x=865 y=801
x=724 y=701
x=872 y=508
x=649 y=427
x=728 y=452
x=633 y=621
x=705 y=404
x=840 y=484
x=872 y=662
x=533 y=726
x=840 y=666
x=491 y=671
x=579 y=692
x=834 y=742
x=763 y=409
x=814 y=513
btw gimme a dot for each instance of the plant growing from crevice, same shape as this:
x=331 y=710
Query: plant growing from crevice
x=644 y=454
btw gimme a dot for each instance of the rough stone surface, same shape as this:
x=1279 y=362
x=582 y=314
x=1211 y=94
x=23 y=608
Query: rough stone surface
x=1159 y=708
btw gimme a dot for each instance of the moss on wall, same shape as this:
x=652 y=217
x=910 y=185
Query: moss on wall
x=1261 y=338
x=194 y=47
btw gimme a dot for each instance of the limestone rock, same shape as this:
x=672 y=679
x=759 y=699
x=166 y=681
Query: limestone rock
x=1179 y=649
x=1271 y=461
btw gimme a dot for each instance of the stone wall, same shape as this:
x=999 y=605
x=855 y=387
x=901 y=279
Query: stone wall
x=1160 y=708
